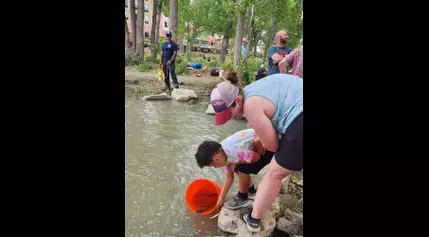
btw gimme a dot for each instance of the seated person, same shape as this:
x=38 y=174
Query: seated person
x=241 y=153
x=262 y=72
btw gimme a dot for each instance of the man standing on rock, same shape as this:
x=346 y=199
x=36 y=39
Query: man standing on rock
x=277 y=52
x=168 y=64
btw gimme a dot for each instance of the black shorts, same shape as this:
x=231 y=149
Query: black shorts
x=254 y=168
x=289 y=154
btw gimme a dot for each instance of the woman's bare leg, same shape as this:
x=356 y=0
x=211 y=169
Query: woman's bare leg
x=269 y=188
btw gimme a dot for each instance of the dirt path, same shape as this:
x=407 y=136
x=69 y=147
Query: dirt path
x=145 y=83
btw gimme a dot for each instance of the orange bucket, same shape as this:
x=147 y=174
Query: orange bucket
x=202 y=195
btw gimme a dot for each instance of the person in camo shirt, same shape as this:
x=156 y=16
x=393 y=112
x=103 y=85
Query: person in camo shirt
x=277 y=52
x=238 y=154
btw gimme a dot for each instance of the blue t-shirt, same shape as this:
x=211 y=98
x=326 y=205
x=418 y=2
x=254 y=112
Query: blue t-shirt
x=168 y=49
x=273 y=68
x=285 y=91
x=243 y=51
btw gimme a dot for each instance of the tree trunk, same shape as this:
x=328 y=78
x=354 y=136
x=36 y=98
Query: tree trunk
x=158 y=20
x=250 y=34
x=238 y=38
x=255 y=44
x=181 y=45
x=226 y=37
x=223 y=49
x=173 y=18
x=133 y=25
x=140 y=27
x=152 y=31
x=265 y=54
x=188 y=41
x=128 y=43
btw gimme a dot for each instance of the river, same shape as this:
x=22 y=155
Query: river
x=161 y=140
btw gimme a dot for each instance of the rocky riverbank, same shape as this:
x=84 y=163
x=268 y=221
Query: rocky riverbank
x=147 y=83
x=285 y=217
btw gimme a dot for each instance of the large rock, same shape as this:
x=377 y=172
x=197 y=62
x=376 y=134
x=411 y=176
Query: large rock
x=285 y=184
x=291 y=222
x=210 y=110
x=287 y=201
x=183 y=94
x=191 y=102
x=162 y=96
x=293 y=216
x=287 y=226
x=232 y=222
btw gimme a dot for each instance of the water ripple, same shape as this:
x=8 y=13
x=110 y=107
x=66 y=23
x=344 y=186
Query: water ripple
x=161 y=140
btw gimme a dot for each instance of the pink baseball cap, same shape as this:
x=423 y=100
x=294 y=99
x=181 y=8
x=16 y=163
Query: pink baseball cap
x=221 y=98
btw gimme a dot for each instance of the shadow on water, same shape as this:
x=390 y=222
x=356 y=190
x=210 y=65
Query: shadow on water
x=160 y=142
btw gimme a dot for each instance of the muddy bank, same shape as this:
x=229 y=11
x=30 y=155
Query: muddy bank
x=146 y=83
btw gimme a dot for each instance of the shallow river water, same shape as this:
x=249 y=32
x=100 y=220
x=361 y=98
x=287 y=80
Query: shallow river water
x=161 y=140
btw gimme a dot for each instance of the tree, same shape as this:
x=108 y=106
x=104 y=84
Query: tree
x=158 y=21
x=173 y=18
x=152 y=30
x=133 y=24
x=140 y=27
x=239 y=33
x=128 y=43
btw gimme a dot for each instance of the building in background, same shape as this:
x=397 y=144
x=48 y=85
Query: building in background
x=148 y=6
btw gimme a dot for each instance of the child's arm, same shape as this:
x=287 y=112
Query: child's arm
x=226 y=186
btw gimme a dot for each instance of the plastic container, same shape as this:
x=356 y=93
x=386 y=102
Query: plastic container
x=202 y=195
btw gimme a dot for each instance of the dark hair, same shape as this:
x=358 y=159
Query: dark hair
x=205 y=153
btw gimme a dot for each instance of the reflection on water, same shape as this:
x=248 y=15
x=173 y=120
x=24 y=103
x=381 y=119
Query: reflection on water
x=161 y=140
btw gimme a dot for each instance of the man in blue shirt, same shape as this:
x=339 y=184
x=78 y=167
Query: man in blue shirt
x=168 y=56
x=277 y=52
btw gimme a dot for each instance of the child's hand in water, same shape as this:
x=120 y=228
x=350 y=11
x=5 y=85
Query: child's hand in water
x=220 y=203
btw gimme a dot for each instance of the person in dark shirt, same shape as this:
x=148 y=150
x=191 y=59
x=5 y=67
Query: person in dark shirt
x=262 y=72
x=277 y=52
x=168 y=64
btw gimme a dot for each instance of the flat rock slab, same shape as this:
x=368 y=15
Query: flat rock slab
x=231 y=222
x=210 y=110
x=162 y=96
x=183 y=94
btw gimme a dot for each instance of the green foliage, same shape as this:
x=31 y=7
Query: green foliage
x=200 y=60
x=146 y=67
x=292 y=21
x=198 y=17
x=181 y=65
x=228 y=65
x=132 y=59
x=181 y=68
x=248 y=70
x=213 y=63
x=253 y=64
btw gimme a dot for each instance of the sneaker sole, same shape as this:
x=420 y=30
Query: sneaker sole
x=252 y=197
x=238 y=207
x=252 y=229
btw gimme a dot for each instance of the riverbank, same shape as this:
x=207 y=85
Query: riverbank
x=147 y=83
x=284 y=218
